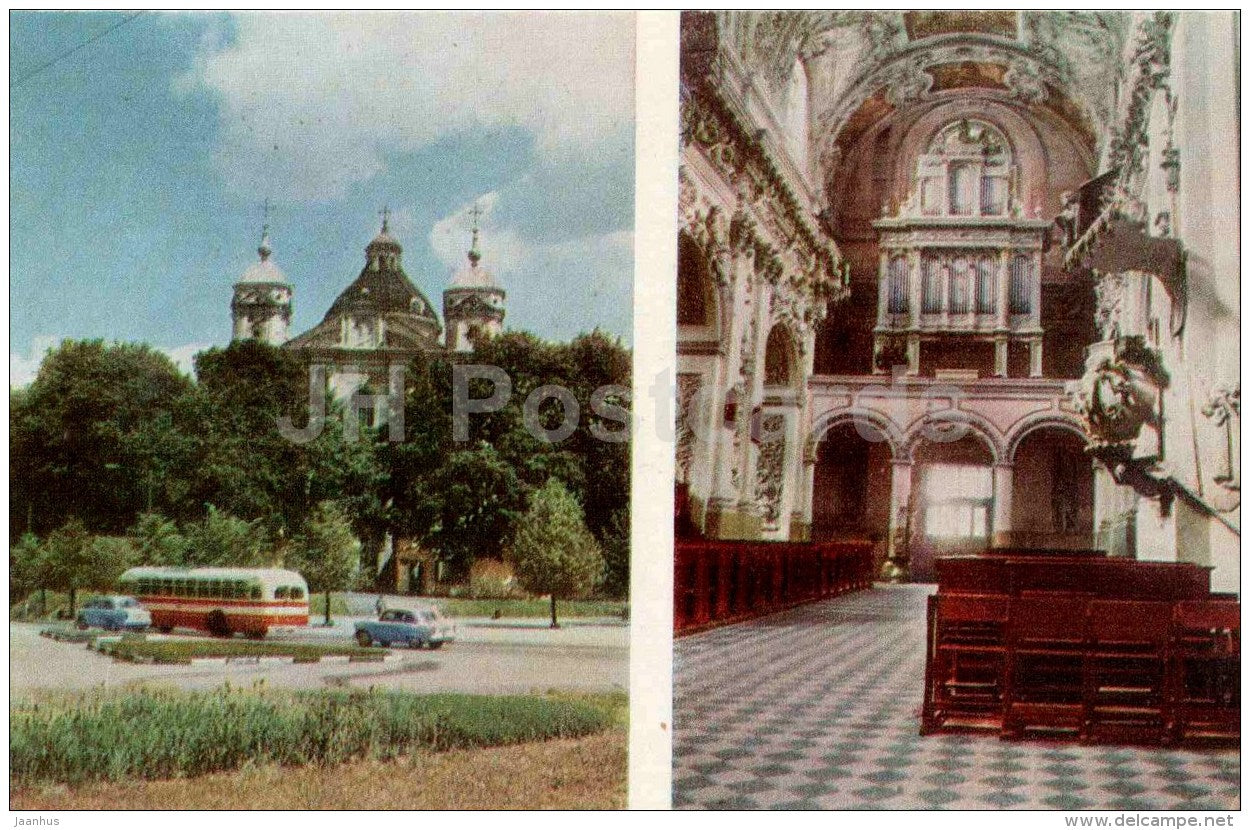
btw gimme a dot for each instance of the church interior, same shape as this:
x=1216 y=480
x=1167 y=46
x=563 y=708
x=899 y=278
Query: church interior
x=958 y=338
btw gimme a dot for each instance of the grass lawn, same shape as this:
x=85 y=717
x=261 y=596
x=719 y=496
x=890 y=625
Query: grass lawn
x=139 y=649
x=236 y=749
x=566 y=774
x=74 y=738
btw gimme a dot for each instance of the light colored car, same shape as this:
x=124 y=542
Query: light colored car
x=114 y=613
x=411 y=627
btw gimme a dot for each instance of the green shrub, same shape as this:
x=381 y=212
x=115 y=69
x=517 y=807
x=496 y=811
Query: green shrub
x=116 y=735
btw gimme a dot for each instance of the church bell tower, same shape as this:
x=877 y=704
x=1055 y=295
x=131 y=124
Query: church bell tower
x=473 y=305
x=261 y=308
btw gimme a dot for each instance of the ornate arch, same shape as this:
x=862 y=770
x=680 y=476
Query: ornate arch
x=828 y=421
x=968 y=423
x=1047 y=420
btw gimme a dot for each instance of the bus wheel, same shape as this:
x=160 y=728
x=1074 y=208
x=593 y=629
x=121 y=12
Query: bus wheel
x=256 y=635
x=164 y=629
x=217 y=625
x=364 y=639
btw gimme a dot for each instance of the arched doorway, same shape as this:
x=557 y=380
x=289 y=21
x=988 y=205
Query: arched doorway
x=953 y=501
x=1053 y=490
x=852 y=486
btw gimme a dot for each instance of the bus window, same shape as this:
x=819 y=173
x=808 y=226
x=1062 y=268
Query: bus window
x=182 y=588
x=256 y=592
x=214 y=588
x=297 y=593
x=280 y=592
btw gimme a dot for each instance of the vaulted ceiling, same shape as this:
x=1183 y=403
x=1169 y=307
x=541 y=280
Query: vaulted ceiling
x=863 y=67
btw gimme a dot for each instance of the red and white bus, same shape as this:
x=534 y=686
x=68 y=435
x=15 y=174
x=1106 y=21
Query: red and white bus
x=222 y=601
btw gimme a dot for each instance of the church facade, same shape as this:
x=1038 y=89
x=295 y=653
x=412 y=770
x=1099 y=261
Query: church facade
x=358 y=351
x=380 y=321
x=951 y=280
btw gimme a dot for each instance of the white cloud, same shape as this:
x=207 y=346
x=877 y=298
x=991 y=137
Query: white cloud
x=503 y=248
x=24 y=368
x=591 y=275
x=184 y=356
x=313 y=103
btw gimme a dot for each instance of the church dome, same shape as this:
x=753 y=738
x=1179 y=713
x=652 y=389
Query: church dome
x=265 y=271
x=473 y=276
x=382 y=286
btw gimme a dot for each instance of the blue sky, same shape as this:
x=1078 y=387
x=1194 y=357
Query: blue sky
x=139 y=164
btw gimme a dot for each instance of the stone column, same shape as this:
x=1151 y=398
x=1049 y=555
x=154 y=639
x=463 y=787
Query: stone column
x=1035 y=294
x=913 y=355
x=1004 y=288
x=1000 y=356
x=1035 y=357
x=915 y=299
x=802 y=531
x=883 y=289
x=898 y=555
x=1004 y=477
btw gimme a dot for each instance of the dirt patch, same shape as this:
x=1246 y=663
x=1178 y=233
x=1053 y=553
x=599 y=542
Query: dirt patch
x=570 y=774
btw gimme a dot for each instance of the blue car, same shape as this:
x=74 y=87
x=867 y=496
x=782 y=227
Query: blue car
x=413 y=628
x=114 y=614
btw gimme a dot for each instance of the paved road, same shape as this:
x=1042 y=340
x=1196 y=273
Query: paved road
x=486 y=660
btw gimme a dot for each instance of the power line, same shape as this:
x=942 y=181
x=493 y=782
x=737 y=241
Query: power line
x=38 y=70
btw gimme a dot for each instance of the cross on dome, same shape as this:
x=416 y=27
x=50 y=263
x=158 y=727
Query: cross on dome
x=475 y=253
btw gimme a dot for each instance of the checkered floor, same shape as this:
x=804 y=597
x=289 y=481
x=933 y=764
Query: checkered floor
x=818 y=708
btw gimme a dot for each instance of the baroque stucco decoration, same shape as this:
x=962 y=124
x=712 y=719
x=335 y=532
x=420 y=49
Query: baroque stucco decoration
x=770 y=469
x=1223 y=409
x=1118 y=397
x=768 y=222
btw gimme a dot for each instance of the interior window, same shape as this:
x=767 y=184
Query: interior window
x=958 y=498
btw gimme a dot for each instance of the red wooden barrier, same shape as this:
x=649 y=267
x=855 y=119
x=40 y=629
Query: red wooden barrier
x=717 y=582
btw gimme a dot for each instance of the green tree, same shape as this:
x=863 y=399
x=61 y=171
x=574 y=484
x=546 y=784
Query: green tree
x=430 y=479
x=24 y=567
x=89 y=435
x=553 y=552
x=75 y=560
x=326 y=552
x=157 y=540
x=228 y=541
x=245 y=466
x=616 y=546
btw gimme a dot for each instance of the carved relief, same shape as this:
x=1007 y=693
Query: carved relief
x=908 y=83
x=1025 y=82
x=688 y=386
x=1119 y=395
x=1109 y=294
x=1223 y=408
x=770 y=470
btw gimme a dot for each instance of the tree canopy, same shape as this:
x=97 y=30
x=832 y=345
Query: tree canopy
x=553 y=551
x=115 y=438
